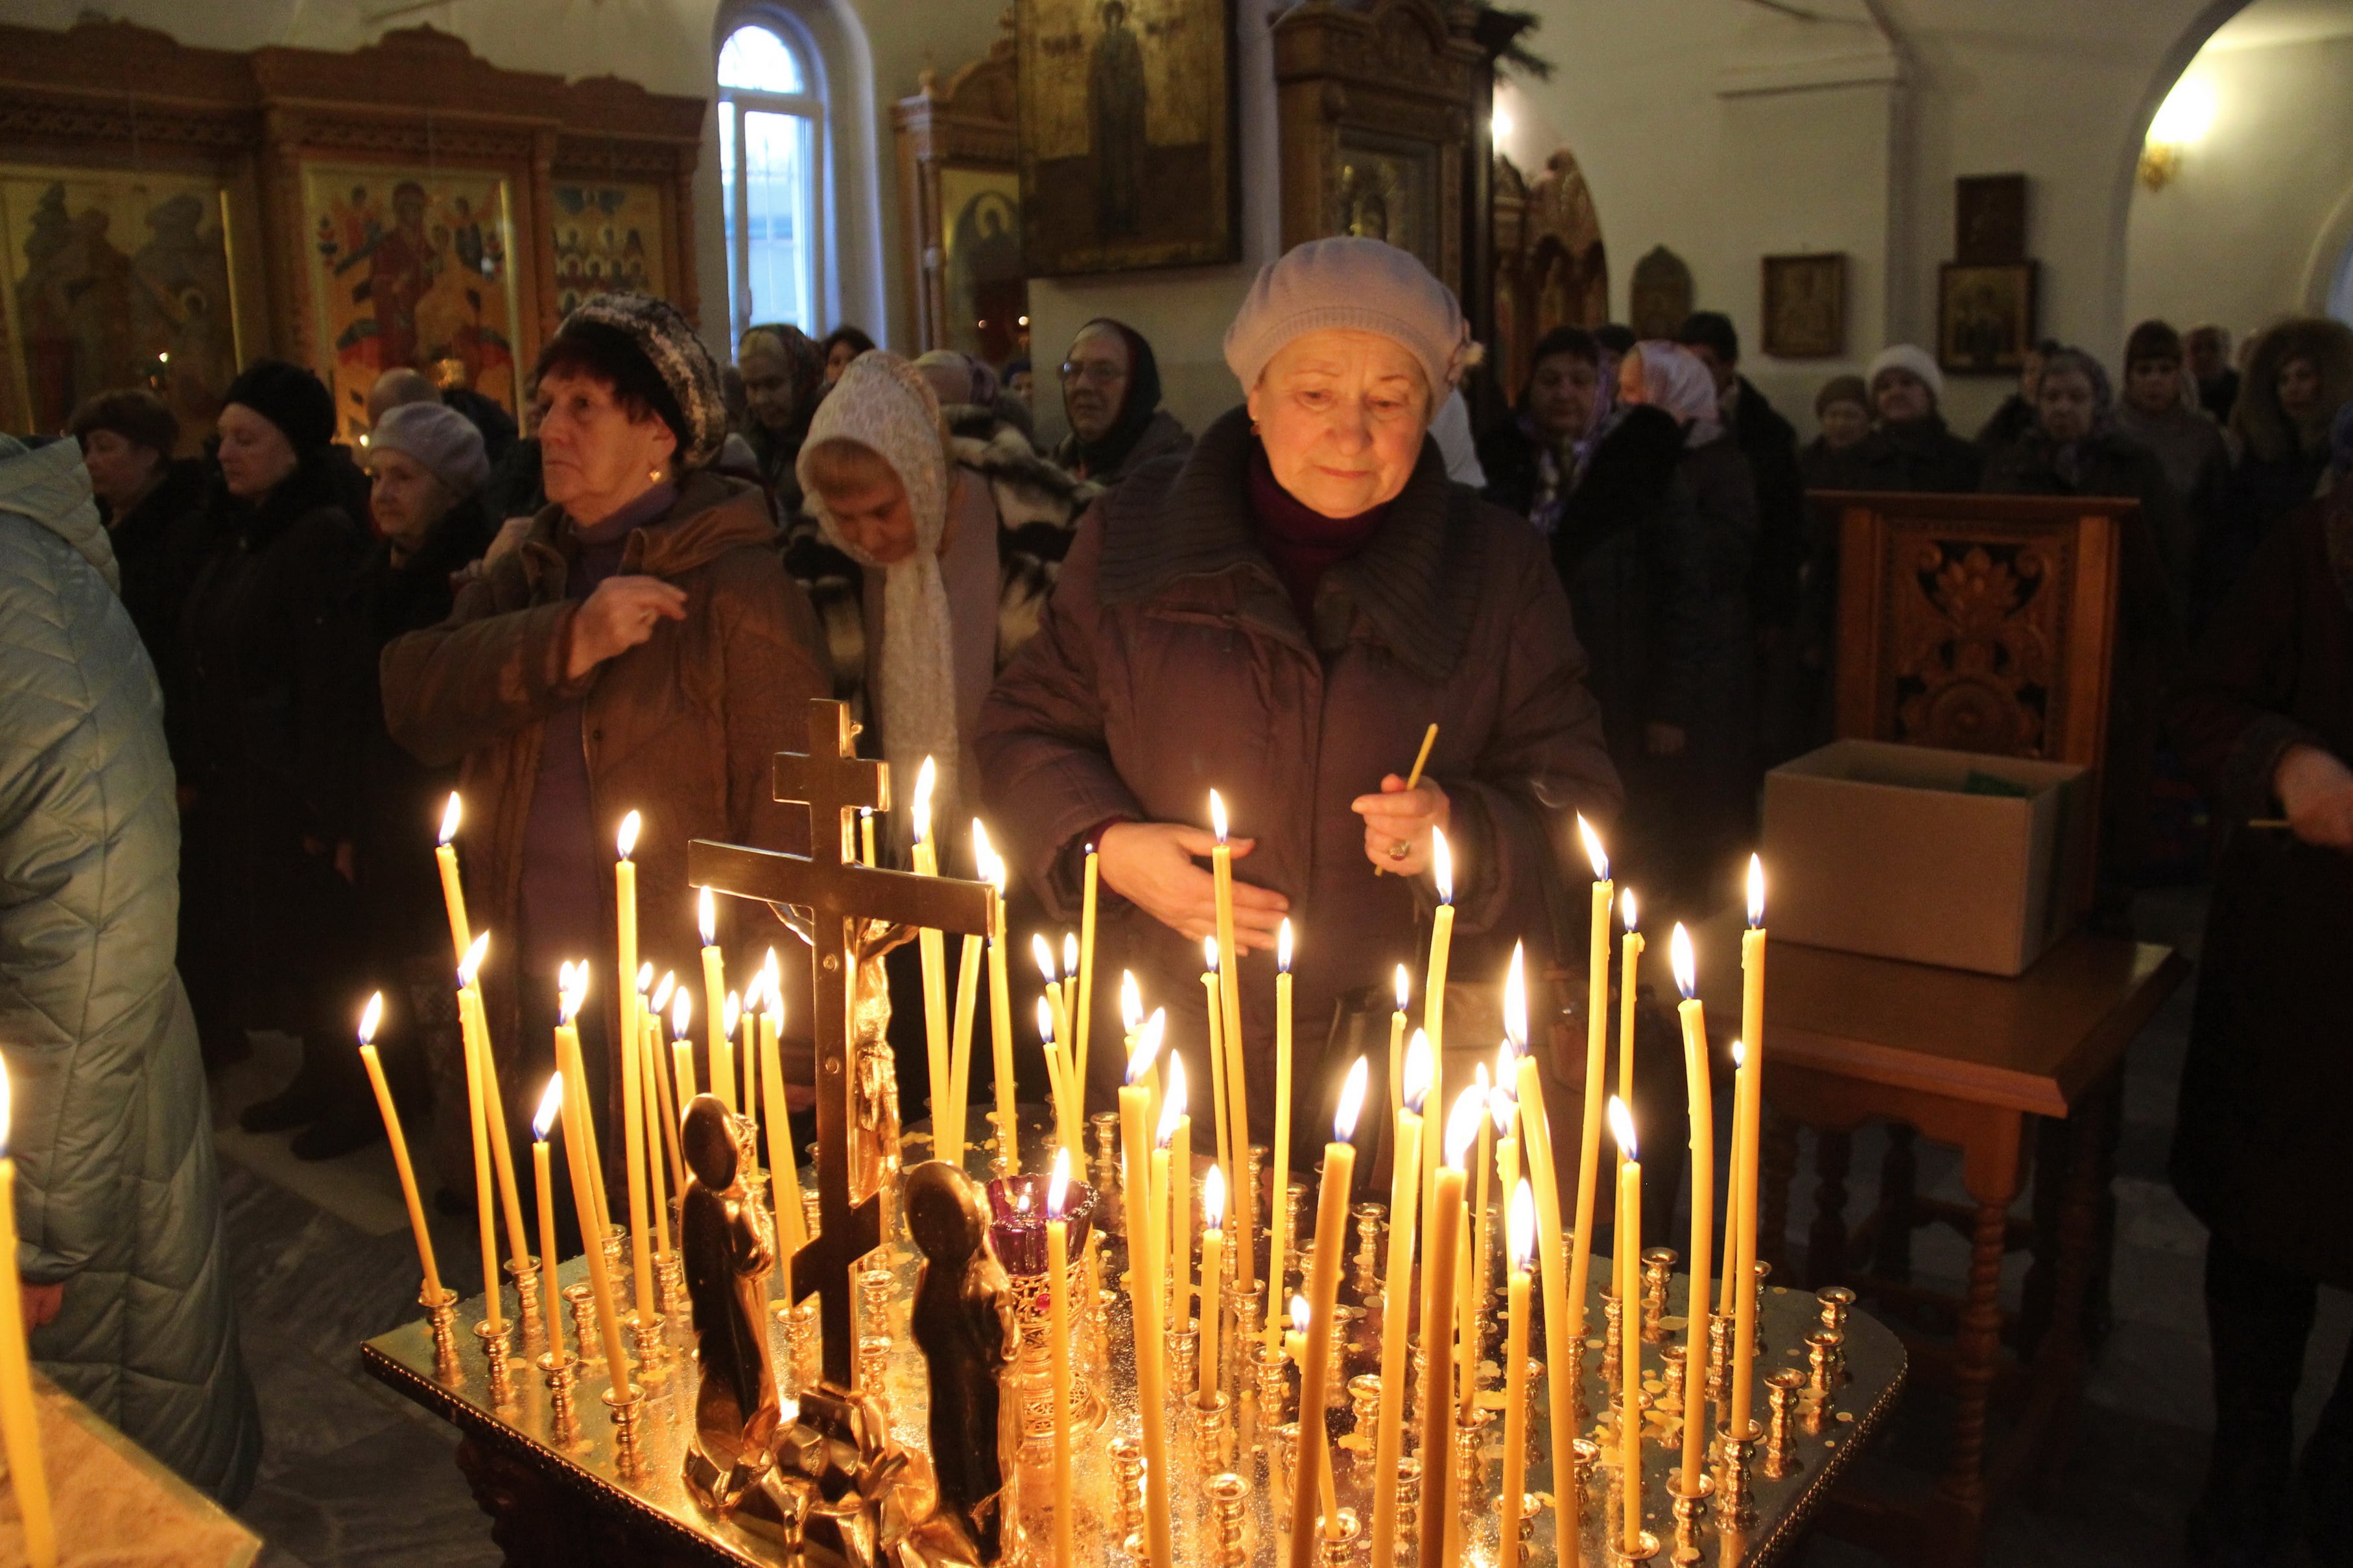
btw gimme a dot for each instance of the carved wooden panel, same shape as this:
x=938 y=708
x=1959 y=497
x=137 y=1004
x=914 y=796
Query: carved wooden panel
x=1377 y=104
x=1551 y=267
x=959 y=181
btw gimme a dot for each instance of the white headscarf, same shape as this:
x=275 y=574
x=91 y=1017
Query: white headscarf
x=1675 y=380
x=885 y=404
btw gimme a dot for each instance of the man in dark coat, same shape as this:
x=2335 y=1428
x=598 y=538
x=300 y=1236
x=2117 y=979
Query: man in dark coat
x=2210 y=366
x=1770 y=444
x=2264 y=724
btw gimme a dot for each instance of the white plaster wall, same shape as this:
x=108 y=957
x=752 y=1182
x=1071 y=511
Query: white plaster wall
x=2259 y=217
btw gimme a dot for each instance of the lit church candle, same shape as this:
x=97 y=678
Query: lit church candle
x=453 y=891
x=19 y=1426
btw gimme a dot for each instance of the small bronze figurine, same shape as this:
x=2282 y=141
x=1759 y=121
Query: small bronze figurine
x=729 y=1246
x=964 y=1324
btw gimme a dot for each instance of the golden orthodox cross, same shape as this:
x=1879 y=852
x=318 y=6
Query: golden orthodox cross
x=839 y=894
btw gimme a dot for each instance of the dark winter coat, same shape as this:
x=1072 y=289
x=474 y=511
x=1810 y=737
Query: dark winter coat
x=682 y=729
x=1770 y=443
x=2015 y=418
x=1172 y=662
x=1162 y=437
x=2259 y=1152
x=1919 y=455
x=268 y=738
x=2149 y=625
x=1512 y=461
x=158 y=544
x=117 y=1198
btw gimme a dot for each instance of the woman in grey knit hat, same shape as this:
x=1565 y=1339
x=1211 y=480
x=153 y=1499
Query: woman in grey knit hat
x=1278 y=615
x=642 y=651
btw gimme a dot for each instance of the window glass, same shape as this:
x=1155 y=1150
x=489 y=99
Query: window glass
x=757 y=58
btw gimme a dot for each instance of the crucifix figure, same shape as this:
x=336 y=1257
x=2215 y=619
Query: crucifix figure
x=840 y=896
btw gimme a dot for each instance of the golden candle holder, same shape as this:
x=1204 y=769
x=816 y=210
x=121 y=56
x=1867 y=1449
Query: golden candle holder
x=1271 y=1371
x=653 y=1350
x=801 y=1343
x=1418 y=1394
x=494 y=1360
x=1764 y=1272
x=1658 y=1267
x=874 y=1372
x=1127 y=1471
x=1641 y=1549
x=441 y=1318
x=1533 y=1411
x=524 y=1272
x=1254 y=1187
x=1531 y=1505
x=1249 y=1317
x=1780 y=1446
x=1212 y=1428
x=874 y=1284
x=1471 y=1453
x=1344 y=1318
x=616 y=1243
x=1281 y=1465
x=581 y=1301
x=562 y=1370
x=670 y=1270
x=1584 y=1463
x=1363 y=1415
x=1837 y=1301
x=1691 y=1511
x=1294 y=1197
x=626 y=1406
x=1000 y=1145
x=1612 y=1339
x=1409 y=1492
x=1228 y=1497
x=1336 y=1547
x=1372 y=1223
x=1184 y=1353
x=1671 y=1360
x=1029 y=1379
x=1111 y=1206
x=1735 y=1500
x=1719 y=1358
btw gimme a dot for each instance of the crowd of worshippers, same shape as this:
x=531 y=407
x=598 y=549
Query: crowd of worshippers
x=1616 y=598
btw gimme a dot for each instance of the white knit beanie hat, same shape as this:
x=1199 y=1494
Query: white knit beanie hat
x=1365 y=285
x=1911 y=359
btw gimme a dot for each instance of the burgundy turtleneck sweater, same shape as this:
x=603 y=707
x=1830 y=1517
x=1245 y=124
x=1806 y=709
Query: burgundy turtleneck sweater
x=1301 y=543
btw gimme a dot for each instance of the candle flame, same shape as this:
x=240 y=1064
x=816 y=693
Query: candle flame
x=1516 y=998
x=1210 y=955
x=1501 y=1108
x=1507 y=1072
x=645 y=976
x=370 y=1016
x=681 y=1012
x=662 y=988
x=1058 y=1188
x=1282 y=946
x=451 y=815
x=1213 y=1200
x=1131 y=1002
x=1352 y=1100
x=1739 y=1053
x=1479 y=1076
x=1069 y=953
x=731 y=1015
x=1417 y=1072
x=927 y=779
x=706 y=917
x=1217 y=815
x=1403 y=988
x=1462 y=1126
x=626 y=841
x=1147 y=1045
x=1679 y=957
x=1172 y=1104
x=550 y=1102
x=1045 y=1021
x=1441 y=865
x=1522 y=1225
x=984 y=854
x=1621 y=1127
x=1299 y=1316
x=1593 y=850
x=470 y=966
x=1756 y=892
x=1626 y=908
x=576 y=989
x=1043 y=951
x=7 y=1105
x=773 y=974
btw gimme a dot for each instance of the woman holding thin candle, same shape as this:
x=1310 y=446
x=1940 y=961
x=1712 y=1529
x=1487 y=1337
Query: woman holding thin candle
x=1280 y=614
x=641 y=651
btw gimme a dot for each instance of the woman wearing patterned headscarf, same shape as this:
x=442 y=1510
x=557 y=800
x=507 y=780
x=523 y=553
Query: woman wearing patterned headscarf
x=1714 y=793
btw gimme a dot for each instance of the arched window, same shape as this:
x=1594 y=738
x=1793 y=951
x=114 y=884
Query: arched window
x=772 y=175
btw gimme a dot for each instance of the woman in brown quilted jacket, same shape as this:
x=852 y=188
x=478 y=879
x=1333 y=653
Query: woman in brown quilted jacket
x=642 y=651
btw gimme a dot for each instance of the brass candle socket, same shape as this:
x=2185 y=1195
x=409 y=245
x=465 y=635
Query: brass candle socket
x=562 y=1371
x=1822 y=1371
x=1409 y=1504
x=1613 y=1339
x=1641 y=1549
x=1691 y=1513
x=524 y=1272
x=616 y=1240
x=801 y=1343
x=1836 y=1301
x=1184 y=1353
x=670 y=1270
x=1735 y=1501
x=1253 y=1191
x=626 y=1406
x=494 y=1360
x=1533 y=1414
x=1127 y=1469
x=1364 y=1416
x=1670 y=1397
x=1764 y=1272
x=1719 y=1357
x=1250 y=1320
x=1584 y=1463
x=1283 y=1465
x=1228 y=1497
x=1344 y=1318
x=1271 y=1370
x=1336 y=1545
x=1212 y=1425
x=1780 y=1446
x=441 y=1314
x=1658 y=1267
x=1110 y=1210
x=581 y=1301
x=1372 y=1221
x=1294 y=1198
x=874 y=1299
x=874 y=1370
x=1469 y=1453
x=646 y=1333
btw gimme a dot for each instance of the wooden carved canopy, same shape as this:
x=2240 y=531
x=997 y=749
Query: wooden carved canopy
x=973 y=126
x=1551 y=267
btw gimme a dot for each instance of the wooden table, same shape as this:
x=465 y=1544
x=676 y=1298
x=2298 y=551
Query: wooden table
x=1963 y=1059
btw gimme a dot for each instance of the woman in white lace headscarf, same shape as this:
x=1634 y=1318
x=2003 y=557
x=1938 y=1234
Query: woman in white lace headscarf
x=1667 y=375
x=877 y=470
